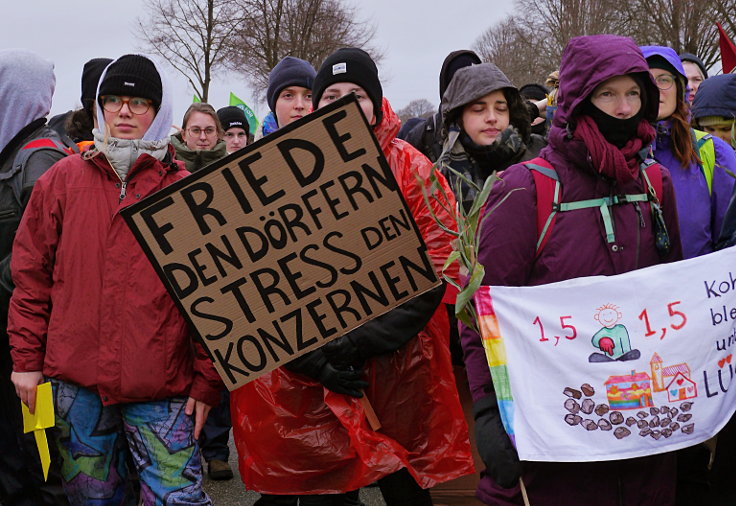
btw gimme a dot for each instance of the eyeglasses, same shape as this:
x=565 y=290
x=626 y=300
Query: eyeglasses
x=196 y=131
x=239 y=135
x=665 y=81
x=136 y=105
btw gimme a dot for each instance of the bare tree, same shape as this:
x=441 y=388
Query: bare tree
x=420 y=108
x=684 y=25
x=514 y=49
x=306 y=29
x=526 y=47
x=190 y=35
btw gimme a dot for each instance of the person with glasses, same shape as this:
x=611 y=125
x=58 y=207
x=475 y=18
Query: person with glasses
x=698 y=162
x=90 y=314
x=236 y=128
x=199 y=142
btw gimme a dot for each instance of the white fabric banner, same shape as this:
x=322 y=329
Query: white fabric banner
x=605 y=368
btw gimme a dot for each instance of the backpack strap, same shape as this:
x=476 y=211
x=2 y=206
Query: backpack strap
x=651 y=171
x=707 y=153
x=14 y=177
x=549 y=193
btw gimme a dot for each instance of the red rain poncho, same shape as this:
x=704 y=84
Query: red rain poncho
x=294 y=436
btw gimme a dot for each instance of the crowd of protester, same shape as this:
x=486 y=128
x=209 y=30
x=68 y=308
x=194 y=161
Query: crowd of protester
x=141 y=413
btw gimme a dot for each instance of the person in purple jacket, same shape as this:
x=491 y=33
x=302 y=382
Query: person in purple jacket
x=702 y=185
x=599 y=134
x=703 y=475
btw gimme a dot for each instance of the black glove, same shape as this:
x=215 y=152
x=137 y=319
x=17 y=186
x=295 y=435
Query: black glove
x=315 y=365
x=343 y=353
x=349 y=382
x=494 y=445
x=386 y=333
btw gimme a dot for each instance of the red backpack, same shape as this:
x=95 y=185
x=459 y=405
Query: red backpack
x=549 y=201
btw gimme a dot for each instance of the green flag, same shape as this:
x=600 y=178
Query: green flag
x=195 y=99
x=249 y=114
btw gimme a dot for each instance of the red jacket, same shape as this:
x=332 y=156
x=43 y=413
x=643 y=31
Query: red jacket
x=295 y=436
x=88 y=307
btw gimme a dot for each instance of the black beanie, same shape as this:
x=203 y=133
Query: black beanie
x=533 y=91
x=697 y=61
x=91 y=76
x=350 y=65
x=233 y=117
x=289 y=71
x=133 y=75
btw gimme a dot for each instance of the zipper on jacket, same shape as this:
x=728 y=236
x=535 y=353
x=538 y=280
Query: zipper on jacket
x=641 y=216
x=123 y=185
x=642 y=225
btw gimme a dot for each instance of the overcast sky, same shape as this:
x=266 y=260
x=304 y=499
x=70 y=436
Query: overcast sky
x=414 y=35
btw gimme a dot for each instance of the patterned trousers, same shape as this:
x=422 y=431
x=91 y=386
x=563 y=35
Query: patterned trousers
x=95 y=440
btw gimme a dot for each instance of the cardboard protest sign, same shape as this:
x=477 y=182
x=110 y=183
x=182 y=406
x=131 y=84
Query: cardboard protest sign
x=286 y=244
x=605 y=368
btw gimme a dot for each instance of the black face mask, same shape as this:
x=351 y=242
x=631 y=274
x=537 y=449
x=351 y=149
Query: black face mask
x=616 y=131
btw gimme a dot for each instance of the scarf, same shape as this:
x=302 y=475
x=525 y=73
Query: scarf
x=464 y=159
x=619 y=164
x=122 y=153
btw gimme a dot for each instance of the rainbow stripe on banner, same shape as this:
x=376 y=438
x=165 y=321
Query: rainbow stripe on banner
x=496 y=357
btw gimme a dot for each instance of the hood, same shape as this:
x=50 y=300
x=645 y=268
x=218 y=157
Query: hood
x=459 y=58
x=668 y=54
x=161 y=125
x=26 y=88
x=590 y=60
x=389 y=126
x=716 y=97
x=476 y=81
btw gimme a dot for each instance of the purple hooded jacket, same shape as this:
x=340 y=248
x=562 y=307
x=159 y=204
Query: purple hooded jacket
x=576 y=247
x=701 y=214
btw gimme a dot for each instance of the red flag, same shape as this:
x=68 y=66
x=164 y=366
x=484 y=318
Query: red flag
x=728 y=51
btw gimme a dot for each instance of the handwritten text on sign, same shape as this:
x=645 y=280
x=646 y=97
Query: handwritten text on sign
x=286 y=244
x=605 y=368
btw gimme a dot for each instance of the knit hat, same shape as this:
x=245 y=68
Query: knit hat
x=350 y=65
x=91 y=73
x=289 y=71
x=454 y=62
x=233 y=117
x=533 y=91
x=697 y=61
x=714 y=120
x=132 y=75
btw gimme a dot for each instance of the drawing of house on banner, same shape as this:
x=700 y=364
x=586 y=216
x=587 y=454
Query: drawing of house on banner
x=632 y=391
x=663 y=376
x=680 y=388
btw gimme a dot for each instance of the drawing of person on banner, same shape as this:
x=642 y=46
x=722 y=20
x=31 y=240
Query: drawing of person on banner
x=597 y=148
x=613 y=339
